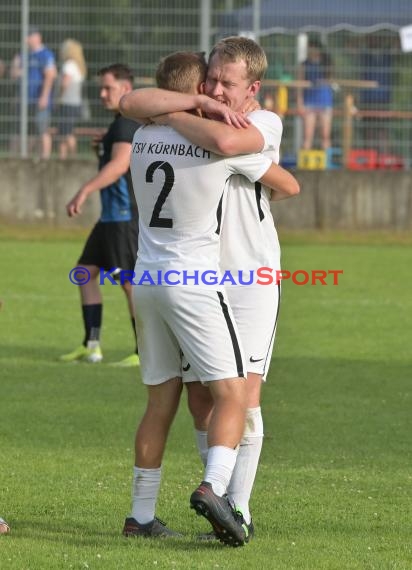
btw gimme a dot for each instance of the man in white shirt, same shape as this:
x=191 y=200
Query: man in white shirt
x=249 y=239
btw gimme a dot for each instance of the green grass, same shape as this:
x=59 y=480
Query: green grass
x=334 y=485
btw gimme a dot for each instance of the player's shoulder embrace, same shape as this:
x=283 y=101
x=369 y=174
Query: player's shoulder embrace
x=264 y=114
x=267 y=119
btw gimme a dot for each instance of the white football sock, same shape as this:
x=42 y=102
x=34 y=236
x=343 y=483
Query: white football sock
x=202 y=447
x=145 y=489
x=220 y=463
x=244 y=473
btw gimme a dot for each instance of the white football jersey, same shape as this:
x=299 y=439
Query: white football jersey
x=248 y=237
x=179 y=191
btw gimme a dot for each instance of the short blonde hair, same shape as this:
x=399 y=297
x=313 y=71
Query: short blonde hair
x=181 y=71
x=72 y=49
x=239 y=48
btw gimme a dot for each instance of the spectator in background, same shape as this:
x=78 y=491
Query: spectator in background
x=376 y=65
x=72 y=75
x=41 y=76
x=315 y=103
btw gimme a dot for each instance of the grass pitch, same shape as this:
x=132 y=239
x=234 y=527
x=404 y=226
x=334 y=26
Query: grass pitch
x=334 y=486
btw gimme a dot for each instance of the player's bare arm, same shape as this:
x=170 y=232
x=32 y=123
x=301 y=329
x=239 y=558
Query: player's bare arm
x=282 y=183
x=112 y=171
x=216 y=136
x=144 y=104
x=151 y=101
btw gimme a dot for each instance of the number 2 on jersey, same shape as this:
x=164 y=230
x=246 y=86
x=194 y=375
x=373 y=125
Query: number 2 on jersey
x=156 y=221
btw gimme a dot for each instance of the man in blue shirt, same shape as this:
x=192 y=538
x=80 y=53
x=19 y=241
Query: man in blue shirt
x=112 y=244
x=42 y=73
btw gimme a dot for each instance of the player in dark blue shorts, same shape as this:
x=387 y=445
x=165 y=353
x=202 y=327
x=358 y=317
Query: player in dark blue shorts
x=112 y=244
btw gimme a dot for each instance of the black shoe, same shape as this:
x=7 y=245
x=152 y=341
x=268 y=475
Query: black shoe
x=206 y=536
x=217 y=510
x=155 y=528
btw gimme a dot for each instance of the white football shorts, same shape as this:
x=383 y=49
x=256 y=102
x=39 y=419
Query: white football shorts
x=190 y=320
x=256 y=311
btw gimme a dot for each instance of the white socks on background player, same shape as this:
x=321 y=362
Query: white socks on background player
x=145 y=489
x=247 y=460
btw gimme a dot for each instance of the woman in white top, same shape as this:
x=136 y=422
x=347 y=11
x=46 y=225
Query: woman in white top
x=72 y=76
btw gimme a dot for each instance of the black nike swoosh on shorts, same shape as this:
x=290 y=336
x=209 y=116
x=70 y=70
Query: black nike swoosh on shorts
x=186 y=368
x=251 y=359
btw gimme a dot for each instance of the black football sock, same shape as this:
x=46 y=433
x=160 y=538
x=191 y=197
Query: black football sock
x=92 y=319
